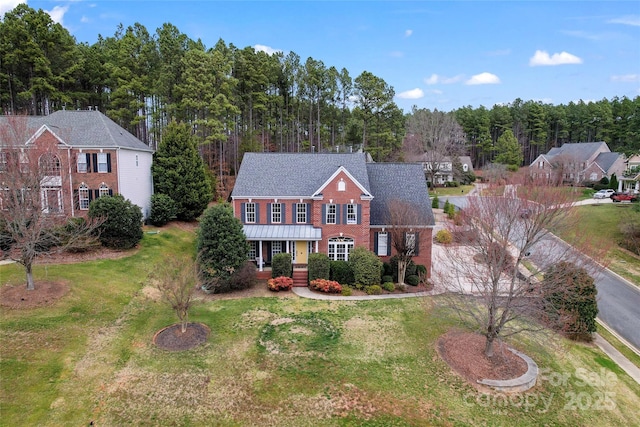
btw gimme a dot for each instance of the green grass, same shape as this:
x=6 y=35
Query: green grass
x=283 y=361
x=628 y=353
x=462 y=190
x=603 y=223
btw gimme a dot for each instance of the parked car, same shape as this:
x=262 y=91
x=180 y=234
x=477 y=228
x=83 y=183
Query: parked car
x=603 y=194
x=624 y=197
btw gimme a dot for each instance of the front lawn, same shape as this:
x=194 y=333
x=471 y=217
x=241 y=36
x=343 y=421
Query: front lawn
x=282 y=361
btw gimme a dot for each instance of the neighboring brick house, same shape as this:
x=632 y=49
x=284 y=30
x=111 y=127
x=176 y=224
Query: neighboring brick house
x=574 y=163
x=327 y=203
x=94 y=157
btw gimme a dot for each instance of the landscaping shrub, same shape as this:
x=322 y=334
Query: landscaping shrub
x=163 y=210
x=222 y=249
x=570 y=300
x=435 y=203
x=409 y=271
x=373 y=290
x=318 y=266
x=324 y=285
x=449 y=209
x=347 y=291
x=281 y=283
x=444 y=237
x=421 y=270
x=452 y=184
x=244 y=277
x=387 y=279
x=365 y=265
x=389 y=286
x=412 y=280
x=341 y=272
x=613 y=183
x=387 y=269
x=281 y=265
x=122 y=226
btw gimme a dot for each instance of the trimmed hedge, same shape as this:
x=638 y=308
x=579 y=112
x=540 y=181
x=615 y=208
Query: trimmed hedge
x=366 y=266
x=281 y=265
x=341 y=272
x=319 y=267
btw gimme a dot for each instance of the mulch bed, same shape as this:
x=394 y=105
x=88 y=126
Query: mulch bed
x=18 y=297
x=173 y=339
x=464 y=353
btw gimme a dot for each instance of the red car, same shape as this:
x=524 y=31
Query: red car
x=624 y=197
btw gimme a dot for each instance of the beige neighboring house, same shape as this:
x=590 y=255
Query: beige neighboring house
x=629 y=181
x=442 y=167
x=575 y=163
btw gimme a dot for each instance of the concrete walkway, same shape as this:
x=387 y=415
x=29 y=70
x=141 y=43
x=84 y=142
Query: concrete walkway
x=619 y=358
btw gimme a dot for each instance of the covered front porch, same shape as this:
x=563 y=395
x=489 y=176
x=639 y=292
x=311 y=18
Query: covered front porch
x=269 y=240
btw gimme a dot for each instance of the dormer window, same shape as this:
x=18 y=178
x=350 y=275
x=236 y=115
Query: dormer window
x=342 y=186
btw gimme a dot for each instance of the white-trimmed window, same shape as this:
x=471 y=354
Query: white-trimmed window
x=103 y=167
x=50 y=165
x=465 y=167
x=24 y=162
x=594 y=176
x=276 y=213
x=276 y=248
x=342 y=186
x=352 y=213
x=51 y=199
x=103 y=190
x=82 y=163
x=331 y=214
x=410 y=242
x=250 y=213
x=83 y=197
x=310 y=247
x=339 y=248
x=301 y=213
x=253 y=253
x=382 y=244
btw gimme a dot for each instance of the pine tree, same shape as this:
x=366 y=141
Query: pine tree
x=178 y=172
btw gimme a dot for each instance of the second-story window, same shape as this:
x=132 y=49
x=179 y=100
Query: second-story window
x=301 y=213
x=250 y=213
x=276 y=213
x=82 y=163
x=331 y=214
x=102 y=163
x=103 y=190
x=352 y=214
x=83 y=197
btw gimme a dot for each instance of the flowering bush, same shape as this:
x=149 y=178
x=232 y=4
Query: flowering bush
x=324 y=285
x=281 y=283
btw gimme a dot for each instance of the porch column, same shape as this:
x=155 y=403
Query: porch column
x=287 y=247
x=260 y=261
x=316 y=246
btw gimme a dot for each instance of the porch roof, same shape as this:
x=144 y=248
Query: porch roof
x=282 y=232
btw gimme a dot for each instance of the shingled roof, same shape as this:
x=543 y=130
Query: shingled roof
x=86 y=129
x=392 y=182
x=579 y=151
x=294 y=174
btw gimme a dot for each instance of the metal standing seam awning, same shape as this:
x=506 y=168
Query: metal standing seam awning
x=282 y=232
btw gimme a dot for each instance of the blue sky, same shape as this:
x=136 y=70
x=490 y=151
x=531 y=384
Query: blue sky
x=442 y=55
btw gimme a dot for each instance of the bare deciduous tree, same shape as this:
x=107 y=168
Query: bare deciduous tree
x=504 y=246
x=404 y=227
x=175 y=278
x=35 y=220
x=434 y=138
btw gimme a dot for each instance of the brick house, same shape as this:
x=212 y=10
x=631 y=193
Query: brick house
x=89 y=156
x=327 y=203
x=575 y=163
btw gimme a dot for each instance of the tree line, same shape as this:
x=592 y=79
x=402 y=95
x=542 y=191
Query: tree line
x=237 y=100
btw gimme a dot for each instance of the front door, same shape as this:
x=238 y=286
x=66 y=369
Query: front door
x=301 y=255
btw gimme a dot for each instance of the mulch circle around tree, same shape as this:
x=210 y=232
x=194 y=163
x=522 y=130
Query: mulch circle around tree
x=464 y=353
x=17 y=297
x=173 y=339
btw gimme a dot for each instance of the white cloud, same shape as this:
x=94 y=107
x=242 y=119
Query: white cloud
x=541 y=57
x=7 y=5
x=57 y=13
x=626 y=78
x=267 y=49
x=633 y=20
x=483 y=79
x=436 y=79
x=85 y=20
x=416 y=93
x=408 y=33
